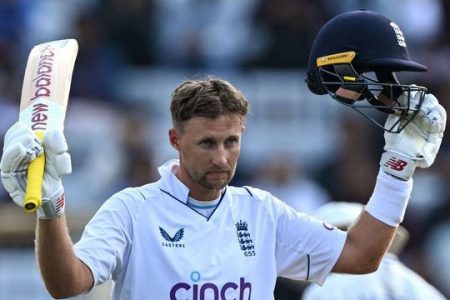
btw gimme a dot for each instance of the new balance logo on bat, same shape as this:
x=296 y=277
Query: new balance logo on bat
x=39 y=116
x=396 y=164
x=44 y=72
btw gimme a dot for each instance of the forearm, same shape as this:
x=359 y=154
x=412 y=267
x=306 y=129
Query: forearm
x=371 y=238
x=63 y=273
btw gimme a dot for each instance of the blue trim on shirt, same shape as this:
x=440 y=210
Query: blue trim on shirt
x=309 y=266
x=248 y=190
x=202 y=206
x=140 y=193
x=185 y=204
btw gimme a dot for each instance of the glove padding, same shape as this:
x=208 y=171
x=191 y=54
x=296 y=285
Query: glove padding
x=418 y=143
x=20 y=148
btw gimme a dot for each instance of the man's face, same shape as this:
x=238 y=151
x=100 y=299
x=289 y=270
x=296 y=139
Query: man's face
x=208 y=150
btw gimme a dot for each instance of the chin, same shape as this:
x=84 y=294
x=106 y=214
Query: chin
x=216 y=185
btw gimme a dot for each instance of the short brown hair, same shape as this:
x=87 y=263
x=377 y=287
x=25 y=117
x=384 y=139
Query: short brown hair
x=208 y=98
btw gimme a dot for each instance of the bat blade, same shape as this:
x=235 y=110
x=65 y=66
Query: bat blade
x=45 y=93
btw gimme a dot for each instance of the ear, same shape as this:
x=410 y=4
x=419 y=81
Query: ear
x=174 y=138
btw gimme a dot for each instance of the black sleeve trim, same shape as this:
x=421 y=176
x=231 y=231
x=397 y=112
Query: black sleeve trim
x=248 y=190
x=309 y=266
x=140 y=193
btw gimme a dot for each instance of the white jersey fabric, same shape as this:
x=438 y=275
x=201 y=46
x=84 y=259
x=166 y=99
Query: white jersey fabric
x=393 y=280
x=154 y=246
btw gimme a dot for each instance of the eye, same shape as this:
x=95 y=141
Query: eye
x=206 y=143
x=231 y=142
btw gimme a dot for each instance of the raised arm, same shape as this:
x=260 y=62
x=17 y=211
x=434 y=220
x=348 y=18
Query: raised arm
x=64 y=274
x=416 y=146
x=367 y=241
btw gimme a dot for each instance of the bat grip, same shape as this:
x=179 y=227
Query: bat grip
x=33 y=194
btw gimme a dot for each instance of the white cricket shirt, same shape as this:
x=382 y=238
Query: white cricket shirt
x=154 y=246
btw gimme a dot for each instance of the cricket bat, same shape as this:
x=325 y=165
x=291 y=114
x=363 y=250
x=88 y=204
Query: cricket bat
x=43 y=103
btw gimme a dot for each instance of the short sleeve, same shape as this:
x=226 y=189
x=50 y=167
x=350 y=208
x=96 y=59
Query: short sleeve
x=106 y=239
x=306 y=248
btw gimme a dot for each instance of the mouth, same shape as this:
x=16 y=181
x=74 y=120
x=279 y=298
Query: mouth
x=219 y=174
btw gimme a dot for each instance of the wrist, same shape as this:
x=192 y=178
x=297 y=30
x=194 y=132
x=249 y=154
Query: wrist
x=397 y=165
x=389 y=199
x=53 y=207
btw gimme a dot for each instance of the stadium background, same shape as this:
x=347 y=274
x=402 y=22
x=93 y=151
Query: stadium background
x=305 y=149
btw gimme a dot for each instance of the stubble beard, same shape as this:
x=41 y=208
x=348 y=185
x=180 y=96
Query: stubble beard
x=202 y=179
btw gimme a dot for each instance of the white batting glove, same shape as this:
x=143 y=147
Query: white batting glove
x=418 y=143
x=20 y=148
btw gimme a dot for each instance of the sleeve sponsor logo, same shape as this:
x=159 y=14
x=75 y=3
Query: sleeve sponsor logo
x=328 y=226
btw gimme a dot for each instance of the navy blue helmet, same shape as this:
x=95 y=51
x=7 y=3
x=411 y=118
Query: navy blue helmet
x=354 y=58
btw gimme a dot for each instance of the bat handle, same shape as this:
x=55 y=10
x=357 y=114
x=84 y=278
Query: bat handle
x=35 y=176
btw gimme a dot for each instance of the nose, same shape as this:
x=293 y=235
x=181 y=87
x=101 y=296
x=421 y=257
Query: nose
x=220 y=157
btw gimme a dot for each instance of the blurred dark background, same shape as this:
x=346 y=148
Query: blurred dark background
x=305 y=149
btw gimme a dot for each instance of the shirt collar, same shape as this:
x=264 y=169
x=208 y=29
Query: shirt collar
x=170 y=183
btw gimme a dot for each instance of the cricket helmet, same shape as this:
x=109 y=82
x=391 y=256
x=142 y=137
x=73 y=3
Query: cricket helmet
x=354 y=58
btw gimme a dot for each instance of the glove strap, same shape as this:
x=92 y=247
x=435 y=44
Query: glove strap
x=397 y=165
x=52 y=208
